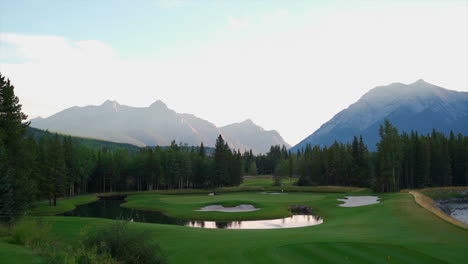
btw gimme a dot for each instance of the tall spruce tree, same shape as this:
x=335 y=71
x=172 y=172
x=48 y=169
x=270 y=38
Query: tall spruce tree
x=57 y=180
x=221 y=162
x=16 y=188
x=389 y=158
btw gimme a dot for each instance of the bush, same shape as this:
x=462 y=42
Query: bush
x=34 y=233
x=31 y=232
x=125 y=245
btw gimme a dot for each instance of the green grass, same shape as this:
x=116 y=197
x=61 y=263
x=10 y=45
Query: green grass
x=265 y=181
x=395 y=231
x=184 y=206
x=12 y=254
x=63 y=205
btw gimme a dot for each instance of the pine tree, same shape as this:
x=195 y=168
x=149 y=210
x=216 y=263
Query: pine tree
x=202 y=151
x=220 y=162
x=15 y=174
x=57 y=169
x=253 y=169
x=237 y=169
x=389 y=158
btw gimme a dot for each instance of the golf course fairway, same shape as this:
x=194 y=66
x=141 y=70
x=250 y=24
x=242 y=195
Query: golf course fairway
x=397 y=230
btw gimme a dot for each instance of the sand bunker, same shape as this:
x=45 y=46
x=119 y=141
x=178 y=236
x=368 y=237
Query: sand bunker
x=273 y=193
x=235 y=209
x=354 y=201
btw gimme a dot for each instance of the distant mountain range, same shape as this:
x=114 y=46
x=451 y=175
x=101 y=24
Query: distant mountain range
x=155 y=125
x=418 y=106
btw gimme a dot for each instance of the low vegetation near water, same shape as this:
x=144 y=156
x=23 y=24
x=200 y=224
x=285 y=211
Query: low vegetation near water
x=442 y=193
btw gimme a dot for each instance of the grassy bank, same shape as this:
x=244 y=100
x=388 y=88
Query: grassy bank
x=429 y=204
x=426 y=199
x=63 y=205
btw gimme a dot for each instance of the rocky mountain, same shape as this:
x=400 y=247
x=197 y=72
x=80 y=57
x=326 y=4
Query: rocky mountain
x=154 y=125
x=418 y=106
x=248 y=135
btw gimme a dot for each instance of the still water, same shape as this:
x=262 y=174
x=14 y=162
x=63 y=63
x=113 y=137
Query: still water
x=111 y=209
x=458 y=211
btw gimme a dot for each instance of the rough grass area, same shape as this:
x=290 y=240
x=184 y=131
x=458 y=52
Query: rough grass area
x=395 y=231
x=12 y=254
x=63 y=205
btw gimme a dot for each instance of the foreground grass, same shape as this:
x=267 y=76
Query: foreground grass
x=63 y=205
x=397 y=230
x=11 y=254
x=394 y=231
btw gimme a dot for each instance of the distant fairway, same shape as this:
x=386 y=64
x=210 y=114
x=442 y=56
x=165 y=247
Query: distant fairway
x=394 y=231
x=265 y=181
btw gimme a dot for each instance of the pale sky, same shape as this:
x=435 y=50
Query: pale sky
x=287 y=65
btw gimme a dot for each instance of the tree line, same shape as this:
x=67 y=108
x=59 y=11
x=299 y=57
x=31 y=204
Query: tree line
x=401 y=161
x=155 y=168
x=62 y=167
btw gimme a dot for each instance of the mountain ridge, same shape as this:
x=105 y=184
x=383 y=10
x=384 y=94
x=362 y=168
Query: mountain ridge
x=419 y=106
x=155 y=124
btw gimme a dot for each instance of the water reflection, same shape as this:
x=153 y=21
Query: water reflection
x=288 y=222
x=111 y=209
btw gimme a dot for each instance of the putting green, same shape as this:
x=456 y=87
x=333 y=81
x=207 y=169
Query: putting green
x=185 y=206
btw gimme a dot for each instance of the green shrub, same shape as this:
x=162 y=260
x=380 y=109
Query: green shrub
x=34 y=233
x=125 y=245
x=31 y=232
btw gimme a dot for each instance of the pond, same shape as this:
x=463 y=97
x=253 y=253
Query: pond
x=458 y=211
x=111 y=209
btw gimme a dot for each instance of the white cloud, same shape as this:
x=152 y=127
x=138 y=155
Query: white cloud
x=238 y=23
x=292 y=80
x=272 y=17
